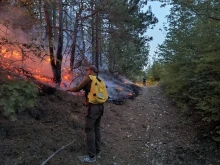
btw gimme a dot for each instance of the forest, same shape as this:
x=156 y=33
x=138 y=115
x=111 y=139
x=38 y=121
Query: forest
x=45 y=46
x=71 y=34
x=188 y=60
x=109 y=34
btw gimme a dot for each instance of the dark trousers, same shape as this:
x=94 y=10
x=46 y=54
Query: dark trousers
x=92 y=128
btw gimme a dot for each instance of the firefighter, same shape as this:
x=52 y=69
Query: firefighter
x=93 y=116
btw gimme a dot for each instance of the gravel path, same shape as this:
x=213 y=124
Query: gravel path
x=150 y=130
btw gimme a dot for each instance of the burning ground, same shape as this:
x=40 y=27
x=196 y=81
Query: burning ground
x=146 y=129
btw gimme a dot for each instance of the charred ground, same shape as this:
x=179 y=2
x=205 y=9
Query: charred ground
x=147 y=129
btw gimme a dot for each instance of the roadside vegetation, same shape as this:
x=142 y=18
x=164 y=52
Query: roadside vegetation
x=188 y=60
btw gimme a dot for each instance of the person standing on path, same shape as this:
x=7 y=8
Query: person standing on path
x=144 y=81
x=93 y=116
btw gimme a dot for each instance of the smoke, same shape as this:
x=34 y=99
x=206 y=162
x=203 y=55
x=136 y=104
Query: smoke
x=15 y=24
x=17 y=30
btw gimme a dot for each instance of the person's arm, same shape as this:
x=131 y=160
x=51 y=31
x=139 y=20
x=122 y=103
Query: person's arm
x=82 y=85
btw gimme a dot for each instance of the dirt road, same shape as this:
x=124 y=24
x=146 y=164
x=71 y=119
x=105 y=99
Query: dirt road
x=150 y=130
x=147 y=130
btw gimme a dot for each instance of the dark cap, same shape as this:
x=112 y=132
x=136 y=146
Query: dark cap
x=92 y=68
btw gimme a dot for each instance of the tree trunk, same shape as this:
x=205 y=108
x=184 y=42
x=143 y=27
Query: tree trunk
x=93 y=33
x=49 y=32
x=97 y=40
x=59 y=55
x=73 y=50
x=75 y=32
x=55 y=63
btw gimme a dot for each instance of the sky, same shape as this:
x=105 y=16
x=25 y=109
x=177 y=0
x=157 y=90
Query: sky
x=158 y=33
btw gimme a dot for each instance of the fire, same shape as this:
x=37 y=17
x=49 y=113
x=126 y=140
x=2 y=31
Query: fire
x=10 y=54
x=119 y=88
x=12 y=59
x=9 y=77
x=3 y=50
x=16 y=54
x=48 y=59
x=67 y=77
x=43 y=79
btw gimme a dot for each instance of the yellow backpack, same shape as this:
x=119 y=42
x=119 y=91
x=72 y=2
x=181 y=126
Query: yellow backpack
x=98 y=93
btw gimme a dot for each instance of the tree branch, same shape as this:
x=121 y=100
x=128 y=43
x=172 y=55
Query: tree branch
x=57 y=151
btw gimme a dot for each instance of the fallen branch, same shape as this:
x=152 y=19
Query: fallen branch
x=57 y=151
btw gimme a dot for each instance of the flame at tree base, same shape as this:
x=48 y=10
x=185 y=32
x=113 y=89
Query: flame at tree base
x=32 y=67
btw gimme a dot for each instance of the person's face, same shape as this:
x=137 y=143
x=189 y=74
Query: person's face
x=88 y=72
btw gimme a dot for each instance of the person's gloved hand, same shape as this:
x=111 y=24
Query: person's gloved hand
x=68 y=90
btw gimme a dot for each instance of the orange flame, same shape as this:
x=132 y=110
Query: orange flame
x=119 y=88
x=48 y=59
x=9 y=77
x=3 y=50
x=11 y=54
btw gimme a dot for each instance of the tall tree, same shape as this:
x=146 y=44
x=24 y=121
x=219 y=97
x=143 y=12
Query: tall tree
x=104 y=33
x=127 y=27
x=55 y=61
x=190 y=56
x=75 y=33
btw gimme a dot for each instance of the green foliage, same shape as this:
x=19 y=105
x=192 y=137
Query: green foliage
x=155 y=72
x=132 y=61
x=190 y=57
x=16 y=97
x=127 y=43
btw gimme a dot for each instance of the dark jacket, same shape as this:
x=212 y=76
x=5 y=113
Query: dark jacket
x=85 y=85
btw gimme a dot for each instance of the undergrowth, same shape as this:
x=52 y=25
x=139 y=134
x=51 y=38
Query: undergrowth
x=16 y=96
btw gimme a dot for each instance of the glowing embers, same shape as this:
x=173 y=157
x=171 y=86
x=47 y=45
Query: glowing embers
x=26 y=65
x=67 y=75
x=3 y=50
x=47 y=59
x=9 y=77
x=43 y=79
x=11 y=54
x=118 y=89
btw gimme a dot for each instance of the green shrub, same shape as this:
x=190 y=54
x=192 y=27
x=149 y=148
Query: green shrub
x=154 y=73
x=151 y=81
x=16 y=97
